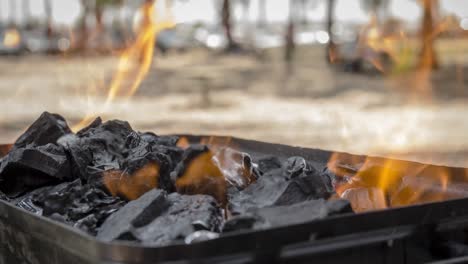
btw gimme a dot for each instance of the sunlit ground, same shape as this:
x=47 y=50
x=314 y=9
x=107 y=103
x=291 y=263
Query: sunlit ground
x=251 y=97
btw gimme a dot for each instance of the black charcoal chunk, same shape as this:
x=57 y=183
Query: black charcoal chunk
x=241 y=222
x=48 y=128
x=177 y=222
x=296 y=181
x=97 y=122
x=159 y=219
x=278 y=216
x=295 y=166
x=135 y=214
x=100 y=147
x=4 y=197
x=268 y=163
x=82 y=206
x=24 y=169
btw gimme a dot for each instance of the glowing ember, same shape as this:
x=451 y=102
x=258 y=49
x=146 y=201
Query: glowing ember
x=132 y=186
x=12 y=38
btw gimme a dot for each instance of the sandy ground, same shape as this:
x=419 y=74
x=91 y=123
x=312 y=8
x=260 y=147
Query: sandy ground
x=251 y=97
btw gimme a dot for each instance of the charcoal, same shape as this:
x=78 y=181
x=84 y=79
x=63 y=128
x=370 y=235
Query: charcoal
x=278 y=216
x=237 y=167
x=136 y=213
x=157 y=218
x=197 y=173
x=82 y=206
x=113 y=148
x=296 y=181
x=241 y=222
x=177 y=222
x=98 y=147
x=4 y=197
x=268 y=163
x=25 y=169
x=48 y=128
x=97 y=122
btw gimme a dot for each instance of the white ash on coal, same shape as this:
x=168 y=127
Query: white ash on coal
x=120 y=184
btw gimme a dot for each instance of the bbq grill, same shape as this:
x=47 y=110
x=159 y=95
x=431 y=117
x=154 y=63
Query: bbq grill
x=425 y=233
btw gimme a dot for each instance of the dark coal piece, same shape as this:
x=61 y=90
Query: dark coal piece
x=278 y=216
x=113 y=148
x=268 y=163
x=296 y=181
x=135 y=214
x=157 y=218
x=185 y=215
x=82 y=206
x=100 y=147
x=24 y=169
x=48 y=128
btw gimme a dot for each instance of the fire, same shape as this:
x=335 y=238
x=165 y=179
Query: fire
x=377 y=183
x=12 y=38
x=203 y=176
x=134 y=62
x=132 y=186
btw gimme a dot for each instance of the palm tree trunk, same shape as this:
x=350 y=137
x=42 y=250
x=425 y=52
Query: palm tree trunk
x=428 y=57
x=331 y=46
x=226 y=21
x=48 y=11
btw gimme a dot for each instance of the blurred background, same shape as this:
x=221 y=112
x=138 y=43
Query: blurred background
x=363 y=76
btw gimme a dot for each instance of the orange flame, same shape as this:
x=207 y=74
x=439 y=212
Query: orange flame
x=12 y=38
x=134 y=62
x=377 y=183
x=202 y=176
x=132 y=186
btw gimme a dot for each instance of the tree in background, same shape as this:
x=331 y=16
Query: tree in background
x=428 y=56
x=227 y=24
x=48 y=12
x=331 y=46
x=26 y=8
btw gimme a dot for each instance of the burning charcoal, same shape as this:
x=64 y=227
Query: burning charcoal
x=46 y=129
x=291 y=184
x=268 y=163
x=277 y=216
x=365 y=199
x=237 y=167
x=82 y=206
x=177 y=222
x=158 y=219
x=136 y=213
x=100 y=147
x=27 y=168
x=197 y=173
